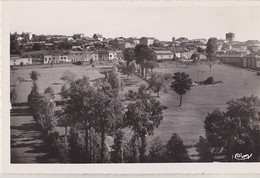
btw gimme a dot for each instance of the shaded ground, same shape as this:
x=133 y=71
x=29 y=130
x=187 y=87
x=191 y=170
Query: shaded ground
x=27 y=142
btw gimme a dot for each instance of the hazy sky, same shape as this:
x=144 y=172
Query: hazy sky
x=158 y=19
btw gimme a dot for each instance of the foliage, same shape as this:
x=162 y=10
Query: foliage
x=129 y=55
x=175 y=150
x=235 y=131
x=203 y=148
x=212 y=47
x=49 y=92
x=78 y=63
x=68 y=76
x=181 y=84
x=209 y=81
x=35 y=75
x=117 y=148
x=20 y=80
x=13 y=95
x=151 y=65
x=143 y=117
x=140 y=94
x=128 y=69
x=37 y=47
x=157 y=151
x=159 y=82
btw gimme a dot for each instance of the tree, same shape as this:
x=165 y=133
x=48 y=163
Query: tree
x=143 y=53
x=129 y=55
x=20 y=80
x=128 y=70
x=35 y=75
x=13 y=95
x=181 y=84
x=68 y=76
x=203 y=148
x=159 y=82
x=235 y=131
x=157 y=151
x=107 y=112
x=175 y=150
x=143 y=117
x=212 y=47
x=37 y=47
x=151 y=65
x=49 y=92
x=117 y=148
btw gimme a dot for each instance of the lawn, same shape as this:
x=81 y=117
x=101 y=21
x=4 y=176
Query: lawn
x=187 y=121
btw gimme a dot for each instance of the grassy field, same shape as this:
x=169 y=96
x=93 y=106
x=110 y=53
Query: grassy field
x=187 y=121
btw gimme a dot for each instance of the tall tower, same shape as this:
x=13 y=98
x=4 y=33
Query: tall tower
x=230 y=37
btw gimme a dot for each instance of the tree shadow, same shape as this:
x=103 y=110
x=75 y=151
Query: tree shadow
x=20 y=112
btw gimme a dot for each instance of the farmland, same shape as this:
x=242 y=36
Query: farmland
x=186 y=121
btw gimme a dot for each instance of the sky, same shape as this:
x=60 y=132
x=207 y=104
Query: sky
x=162 y=20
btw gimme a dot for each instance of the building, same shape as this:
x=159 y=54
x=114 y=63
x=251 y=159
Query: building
x=133 y=40
x=105 y=55
x=182 y=53
x=163 y=55
x=77 y=36
x=55 y=58
x=230 y=37
x=82 y=56
x=147 y=41
x=246 y=61
x=98 y=37
x=16 y=61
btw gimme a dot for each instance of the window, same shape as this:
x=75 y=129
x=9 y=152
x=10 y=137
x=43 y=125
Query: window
x=28 y=60
x=110 y=55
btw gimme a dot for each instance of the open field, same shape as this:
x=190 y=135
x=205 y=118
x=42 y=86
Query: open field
x=187 y=121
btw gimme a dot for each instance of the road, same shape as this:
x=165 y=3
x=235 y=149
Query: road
x=27 y=142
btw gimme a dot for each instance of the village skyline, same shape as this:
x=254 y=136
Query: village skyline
x=135 y=19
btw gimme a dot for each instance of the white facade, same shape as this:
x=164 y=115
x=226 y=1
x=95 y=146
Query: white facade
x=164 y=55
x=56 y=58
x=75 y=56
x=15 y=61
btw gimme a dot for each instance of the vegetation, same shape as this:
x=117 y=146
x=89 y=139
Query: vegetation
x=159 y=82
x=181 y=84
x=235 y=131
x=143 y=117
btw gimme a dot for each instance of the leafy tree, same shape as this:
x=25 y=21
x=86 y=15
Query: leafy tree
x=49 y=92
x=181 y=84
x=37 y=47
x=107 y=112
x=203 y=148
x=175 y=150
x=151 y=65
x=212 y=47
x=68 y=76
x=159 y=82
x=35 y=75
x=143 y=53
x=129 y=55
x=117 y=148
x=20 y=80
x=143 y=117
x=157 y=151
x=13 y=95
x=128 y=70
x=235 y=131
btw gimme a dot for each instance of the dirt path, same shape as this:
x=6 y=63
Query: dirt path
x=27 y=143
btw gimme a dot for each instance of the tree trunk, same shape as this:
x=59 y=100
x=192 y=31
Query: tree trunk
x=158 y=94
x=146 y=69
x=143 y=149
x=102 y=144
x=87 y=146
x=181 y=101
x=142 y=71
x=90 y=145
x=136 y=157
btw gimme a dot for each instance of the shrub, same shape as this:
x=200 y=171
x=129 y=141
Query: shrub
x=78 y=63
x=209 y=81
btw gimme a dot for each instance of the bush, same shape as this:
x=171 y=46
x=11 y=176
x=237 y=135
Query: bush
x=78 y=63
x=209 y=81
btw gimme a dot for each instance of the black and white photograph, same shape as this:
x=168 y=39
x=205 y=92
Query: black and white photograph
x=131 y=83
